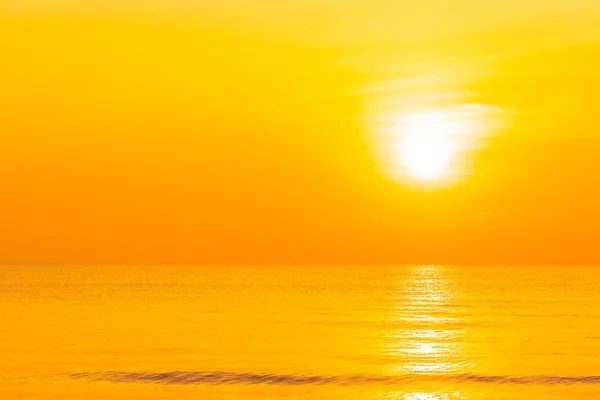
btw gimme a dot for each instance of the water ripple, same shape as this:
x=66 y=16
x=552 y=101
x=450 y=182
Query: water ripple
x=232 y=378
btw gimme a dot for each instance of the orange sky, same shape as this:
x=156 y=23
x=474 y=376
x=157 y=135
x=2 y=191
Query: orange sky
x=250 y=132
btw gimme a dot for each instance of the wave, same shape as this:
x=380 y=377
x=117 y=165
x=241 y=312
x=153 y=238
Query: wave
x=233 y=378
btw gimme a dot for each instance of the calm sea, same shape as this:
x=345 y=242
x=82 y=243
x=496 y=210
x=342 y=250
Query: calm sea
x=411 y=333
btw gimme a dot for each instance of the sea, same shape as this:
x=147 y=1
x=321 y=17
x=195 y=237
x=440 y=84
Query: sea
x=419 y=332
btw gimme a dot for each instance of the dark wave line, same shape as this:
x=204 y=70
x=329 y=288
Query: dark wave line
x=232 y=378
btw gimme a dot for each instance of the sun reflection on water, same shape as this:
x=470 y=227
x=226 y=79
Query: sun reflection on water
x=436 y=395
x=425 y=396
x=428 y=339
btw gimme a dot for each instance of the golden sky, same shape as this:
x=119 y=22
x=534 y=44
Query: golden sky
x=143 y=132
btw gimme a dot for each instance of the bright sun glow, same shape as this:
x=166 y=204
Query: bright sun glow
x=427 y=142
x=426 y=156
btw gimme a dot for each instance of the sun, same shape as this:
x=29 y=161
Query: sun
x=426 y=148
x=426 y=156
x=426 y=143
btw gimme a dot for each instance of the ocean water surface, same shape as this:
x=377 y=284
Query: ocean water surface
x=412 y=332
